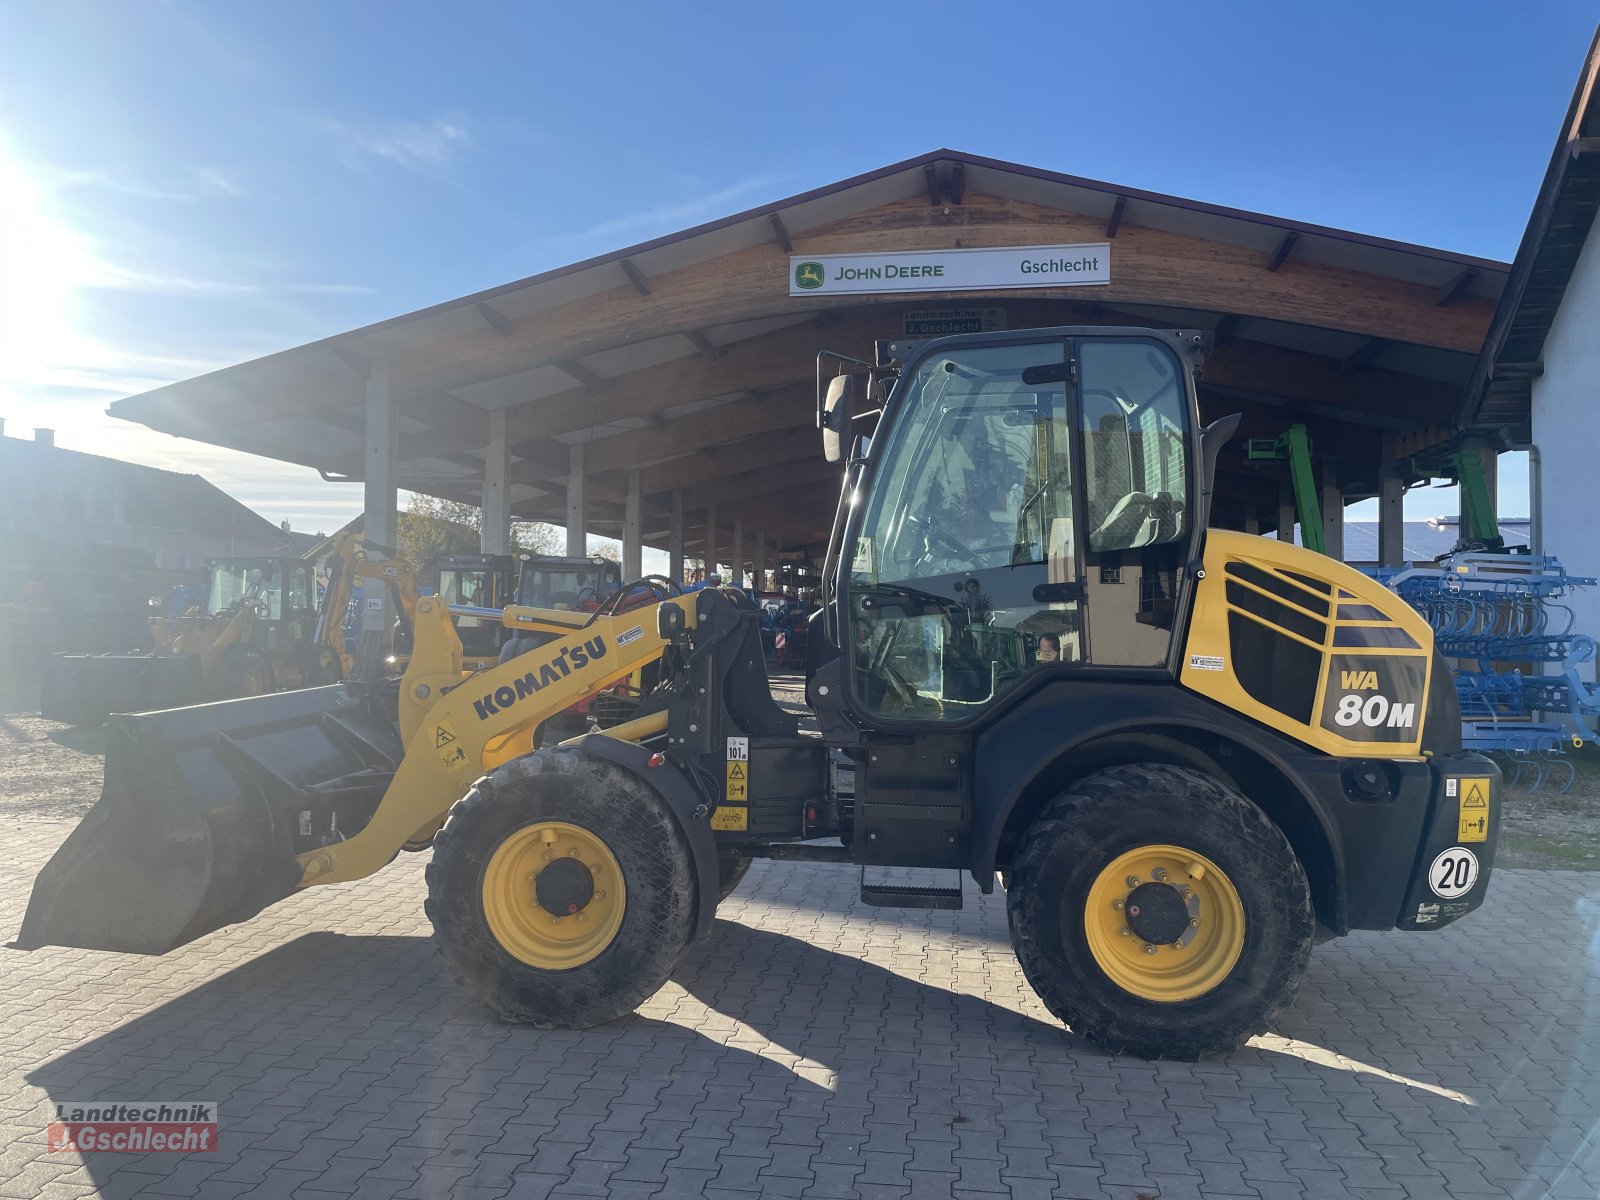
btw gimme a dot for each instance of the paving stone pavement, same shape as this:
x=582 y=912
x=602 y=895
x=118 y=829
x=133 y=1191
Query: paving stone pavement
x=810 y=1047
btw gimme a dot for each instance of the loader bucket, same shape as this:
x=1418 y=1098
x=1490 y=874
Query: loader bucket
x=202 y=812
x=84 y=689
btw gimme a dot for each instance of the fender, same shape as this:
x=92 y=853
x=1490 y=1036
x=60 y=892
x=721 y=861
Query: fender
x=1053 y=720
x=686 y=805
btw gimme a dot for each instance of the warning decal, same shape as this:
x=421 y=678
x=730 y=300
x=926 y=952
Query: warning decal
x=1473 y=824
x=738 y=782
x=448 y=747
x=731 y=819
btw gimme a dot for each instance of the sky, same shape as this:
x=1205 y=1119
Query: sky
x=184 y=186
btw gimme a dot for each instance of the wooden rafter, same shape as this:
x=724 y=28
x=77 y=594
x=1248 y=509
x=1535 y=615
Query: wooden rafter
x=1115 y=221
x=1280 y=252
x=494 y=318
x=641 y=284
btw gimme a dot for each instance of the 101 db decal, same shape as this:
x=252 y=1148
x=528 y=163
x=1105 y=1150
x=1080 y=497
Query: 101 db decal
x=951 y=270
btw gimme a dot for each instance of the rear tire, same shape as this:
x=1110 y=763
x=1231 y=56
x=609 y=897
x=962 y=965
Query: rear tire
x=490 y=891
x=1231 y=893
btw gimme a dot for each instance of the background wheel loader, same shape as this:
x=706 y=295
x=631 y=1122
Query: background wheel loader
x=1236 y=745
x=261 y=628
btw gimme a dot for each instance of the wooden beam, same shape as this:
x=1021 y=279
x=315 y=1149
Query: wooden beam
x=1281 y=252
x=581 y=374
x=930 y=173
x=1153 y=266
x=753 y=485
x=496 y=319
x=795 y=443
x=782 y=409
x=703 y=344
x=958 y=183
x=1115 y=222
x=1515 y=370
x=360 y=364
x=1362 y=355
x=779 y=232
x=635 y=276
x=1457 y=285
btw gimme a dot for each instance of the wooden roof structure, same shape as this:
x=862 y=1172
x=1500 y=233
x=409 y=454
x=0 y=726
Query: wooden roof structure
x=1499 y=394
x=685 y=358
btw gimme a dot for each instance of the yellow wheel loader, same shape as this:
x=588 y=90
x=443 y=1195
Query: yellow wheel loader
x=262 y=628
x=1185 y=753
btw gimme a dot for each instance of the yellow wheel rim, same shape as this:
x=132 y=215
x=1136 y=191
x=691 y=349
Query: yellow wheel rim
x=553 y=895
x=1164 y=923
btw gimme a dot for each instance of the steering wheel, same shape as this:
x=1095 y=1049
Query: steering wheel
x=934 y=533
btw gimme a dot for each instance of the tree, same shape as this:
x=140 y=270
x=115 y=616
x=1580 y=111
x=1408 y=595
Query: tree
x=431 y=527
x=536 y=537
x=606 y=548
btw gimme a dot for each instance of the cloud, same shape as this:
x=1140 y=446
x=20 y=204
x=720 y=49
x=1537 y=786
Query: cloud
x=669 y=218
x=214 y=181
x=202 y=183
x=417 y=145
x=330 y=289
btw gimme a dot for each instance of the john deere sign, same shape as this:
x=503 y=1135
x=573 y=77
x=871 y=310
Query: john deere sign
x=951 y=270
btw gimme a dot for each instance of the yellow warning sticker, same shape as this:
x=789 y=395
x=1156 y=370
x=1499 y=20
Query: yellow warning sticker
x=448 y=747
x=1473 y=823
x=730 y=818
x=738 y=782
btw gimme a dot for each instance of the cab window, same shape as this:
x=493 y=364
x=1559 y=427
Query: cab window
x=965 y=567
x=1015 y=524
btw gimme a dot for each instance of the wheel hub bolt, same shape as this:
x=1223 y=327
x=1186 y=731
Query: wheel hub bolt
x=1118 y=905
x=599 y=895
x=1126 y=932
x=1194 y=922
x=583 y=916
x=1133 y=881
x=1149 y=949
x=1159 y=874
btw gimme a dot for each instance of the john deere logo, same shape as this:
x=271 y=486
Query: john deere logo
x=808 y=275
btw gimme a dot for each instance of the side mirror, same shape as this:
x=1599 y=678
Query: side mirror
x=838 y=411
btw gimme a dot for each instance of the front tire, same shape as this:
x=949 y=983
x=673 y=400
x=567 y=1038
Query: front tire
x=561 y=891
x=1157 y=912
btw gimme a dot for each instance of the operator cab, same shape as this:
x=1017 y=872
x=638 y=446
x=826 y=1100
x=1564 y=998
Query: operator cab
x=578 y=584
x=1029 y=507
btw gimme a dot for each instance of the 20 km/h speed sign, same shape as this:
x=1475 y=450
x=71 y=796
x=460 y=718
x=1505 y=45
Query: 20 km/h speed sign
x=1453 y=873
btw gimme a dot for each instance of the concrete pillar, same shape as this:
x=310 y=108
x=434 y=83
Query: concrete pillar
x=736 y=557
x=577 y=538
x=1252 y=522
x=632 y=533
x=708 y=552
x=1286 y=513
x=675 y=538
x=1391 y=507
x=495 y=535
x=1332 y=500
x=379 y=494
x=761 y=561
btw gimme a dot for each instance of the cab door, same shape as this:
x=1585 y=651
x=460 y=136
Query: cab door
x=1026 y=510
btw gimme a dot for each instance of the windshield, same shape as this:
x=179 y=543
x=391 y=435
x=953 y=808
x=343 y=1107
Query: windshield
x=236 y=582
x=993 y=543
x=459 y=585
x=566 y=586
